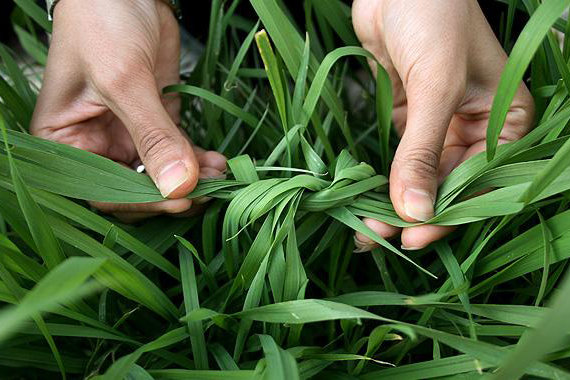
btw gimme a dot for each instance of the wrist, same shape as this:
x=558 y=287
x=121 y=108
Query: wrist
x=173 y=4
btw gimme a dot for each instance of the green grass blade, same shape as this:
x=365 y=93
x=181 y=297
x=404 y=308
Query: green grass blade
x=46 y=244
x=223 y=358
x=37 y=13
x=546 y=337
x=546 y=238
x=280 y=365
x=122 y=366
x=521 y=55
x=217 y=100
x=63 y=284
x=384 y=102
x=301 y=82
x=458 y=279
x=32 y=45
x=191 y=302
x=18 y=293
x=232 y=74
x=346 y=217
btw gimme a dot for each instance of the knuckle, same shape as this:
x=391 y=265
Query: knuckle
x=514 y=130
x=120 y=77
x=422 y=161
x=43 y=132
x=517 y=125
x=519 y=119
x=104 y=207
x=155 y=143
x=435 y=79
x=175 y=207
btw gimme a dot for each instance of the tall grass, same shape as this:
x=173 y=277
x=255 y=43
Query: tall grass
x=265 y=284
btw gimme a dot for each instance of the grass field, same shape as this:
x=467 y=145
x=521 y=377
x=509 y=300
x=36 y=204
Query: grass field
x=266 y=283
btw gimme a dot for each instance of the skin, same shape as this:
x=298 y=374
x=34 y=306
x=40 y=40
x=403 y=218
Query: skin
x=107 y=63
x=109 y=59
x=445 y=64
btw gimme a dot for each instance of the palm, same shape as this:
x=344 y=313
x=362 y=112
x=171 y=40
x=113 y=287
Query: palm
x=465 y=135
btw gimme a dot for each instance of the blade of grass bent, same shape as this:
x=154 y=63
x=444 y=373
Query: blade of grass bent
x=346 y=217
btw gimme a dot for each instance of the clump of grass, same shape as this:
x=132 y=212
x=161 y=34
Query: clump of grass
x=265 y=283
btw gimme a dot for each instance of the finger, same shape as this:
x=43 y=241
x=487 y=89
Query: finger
x=208 y=158
x=133 y=217
x=208 y=172
x=165 y=152
x=418 y=237
x=197 y=207
x=134 y=212
x=364 y=243
x=211 y=159
x=171 y=206
x=414 y=175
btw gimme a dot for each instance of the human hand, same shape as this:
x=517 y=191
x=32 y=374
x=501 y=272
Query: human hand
x=445 y=64
x=107 y=64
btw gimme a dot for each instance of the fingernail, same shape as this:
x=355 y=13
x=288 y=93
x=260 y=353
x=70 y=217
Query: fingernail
x=172 y=177
x=202 y=200
x=211 y=173
x=410 y=248
x=418 y=204
x=221 y=176
x=363 y=246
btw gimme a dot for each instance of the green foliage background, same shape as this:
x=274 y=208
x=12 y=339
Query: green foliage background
x=266 y=283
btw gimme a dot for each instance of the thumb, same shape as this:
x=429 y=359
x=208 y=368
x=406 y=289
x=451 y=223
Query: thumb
x=414 y=174
x=161 y=145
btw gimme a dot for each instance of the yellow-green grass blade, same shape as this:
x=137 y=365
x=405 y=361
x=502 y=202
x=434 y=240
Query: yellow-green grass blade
x=273 y=74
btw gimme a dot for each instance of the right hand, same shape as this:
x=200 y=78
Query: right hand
x=107 y=64
x=445 y=65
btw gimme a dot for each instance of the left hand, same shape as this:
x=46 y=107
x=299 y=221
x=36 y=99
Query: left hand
x=107 y=64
